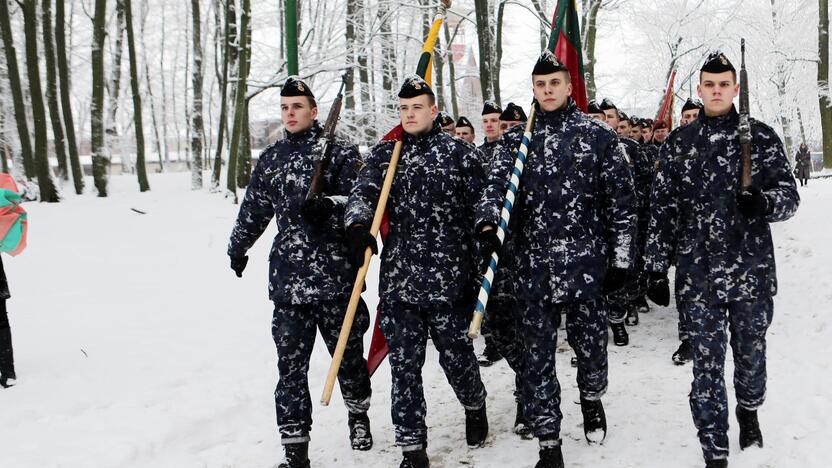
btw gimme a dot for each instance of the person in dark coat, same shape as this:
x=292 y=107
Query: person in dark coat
x=310 y=273
x=803 y=164
x=7 y=375
x=719 y=239
x=573 y=242
x=429 y=268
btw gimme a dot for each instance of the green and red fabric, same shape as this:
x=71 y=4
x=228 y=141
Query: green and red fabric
x=14 y=224
x=565 y=42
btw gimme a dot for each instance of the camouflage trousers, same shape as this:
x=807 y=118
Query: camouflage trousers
x=586 y=328
x=406 y=328
x=708 y=328
x=501 y=324
x=294 y=329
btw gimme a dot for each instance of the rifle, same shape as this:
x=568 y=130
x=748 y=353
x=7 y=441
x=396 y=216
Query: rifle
x=745 y=125
x=324 y=146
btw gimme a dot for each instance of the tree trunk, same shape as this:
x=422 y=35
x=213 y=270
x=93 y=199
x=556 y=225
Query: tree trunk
x=498 y=53
x=164 y=88
x=17 y=91
x=780 y=84
x=388 y=53
x=540 y=8
x=48 y=193
x=451 y=72
x=244 y=156
x=823 y=82
x=349 y=86
x=486 y=49
x=590 y=29
x=114 y=89
x=239 y=102
x=141 y=169
x=52 y=91
x=66 y=103
x=363 y=75
x=215 y=175
x=150 y=90
x=197 y=128
x=99 y=155
x=802 y=128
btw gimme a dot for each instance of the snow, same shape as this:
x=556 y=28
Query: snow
x=136 y=346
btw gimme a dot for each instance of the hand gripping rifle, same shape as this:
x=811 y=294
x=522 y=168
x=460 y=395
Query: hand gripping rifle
x=323 y=149
x=745 y=125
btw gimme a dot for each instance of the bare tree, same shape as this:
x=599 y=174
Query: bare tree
x=17 y=91
x=48 y=192
x=99 y=154
x=141 y=170
x=66 y=103
x=223 y=120
x=197 y=128
x=486 y=49
x=239 y=102
x=823 y=81
x=52 y=90
x=114 y=89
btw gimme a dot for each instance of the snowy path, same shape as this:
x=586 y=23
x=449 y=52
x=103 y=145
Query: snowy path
x=137 y=347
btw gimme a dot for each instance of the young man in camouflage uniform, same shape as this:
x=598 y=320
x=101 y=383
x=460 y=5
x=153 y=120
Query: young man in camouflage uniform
x=512 y=115
x=573 y=240
x=724 y=257
x=310 y=275
x=690 y=111
x=464 y=129
x=428 y=265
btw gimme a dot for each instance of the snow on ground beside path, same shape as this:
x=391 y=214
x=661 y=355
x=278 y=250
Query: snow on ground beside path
x=136 y=346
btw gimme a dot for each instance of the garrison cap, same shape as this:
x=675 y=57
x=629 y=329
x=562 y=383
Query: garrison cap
x=593 y=108
x=490 y=107
x=294 y=86
x=414 y=86
x=547 y=63
x=717 y=62
x=606 y=104
x=464 y=122
x=444 y=119
x=690 y=104
x=513 y=112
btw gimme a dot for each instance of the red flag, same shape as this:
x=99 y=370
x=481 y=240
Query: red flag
x=666 y=111
x=565 y=42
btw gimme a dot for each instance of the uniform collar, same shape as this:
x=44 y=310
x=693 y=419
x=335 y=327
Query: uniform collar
x=731 y=117
x=559 y=115
x=418 y=139
x=306 y=136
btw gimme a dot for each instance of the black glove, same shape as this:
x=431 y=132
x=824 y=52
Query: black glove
x=616 y=279
x=487 y=244
x=317 y=209
x=753 y=203
x=238 y=264
x=658 y=288
x=358 y=239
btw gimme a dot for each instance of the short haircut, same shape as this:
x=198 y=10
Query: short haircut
x=312 y=103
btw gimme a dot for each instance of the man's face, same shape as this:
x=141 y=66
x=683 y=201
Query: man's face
x=635 y=132
x=507 y=124
x=623 y=128
x=717 y=91
x=646 y=134
x=450 y=129
x=297 y=113
x=660 y=134
x=491 y=126
x=465 y=133
x=552 y=90
x=689 y=116
x=612 y=117
x=417 y=114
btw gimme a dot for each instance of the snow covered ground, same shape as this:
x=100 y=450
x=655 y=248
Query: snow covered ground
x=136 y=346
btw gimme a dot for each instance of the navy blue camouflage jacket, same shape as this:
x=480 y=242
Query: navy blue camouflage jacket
x=575 y=208
x=720 y=255
x=308 y=261
x=429 y=254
